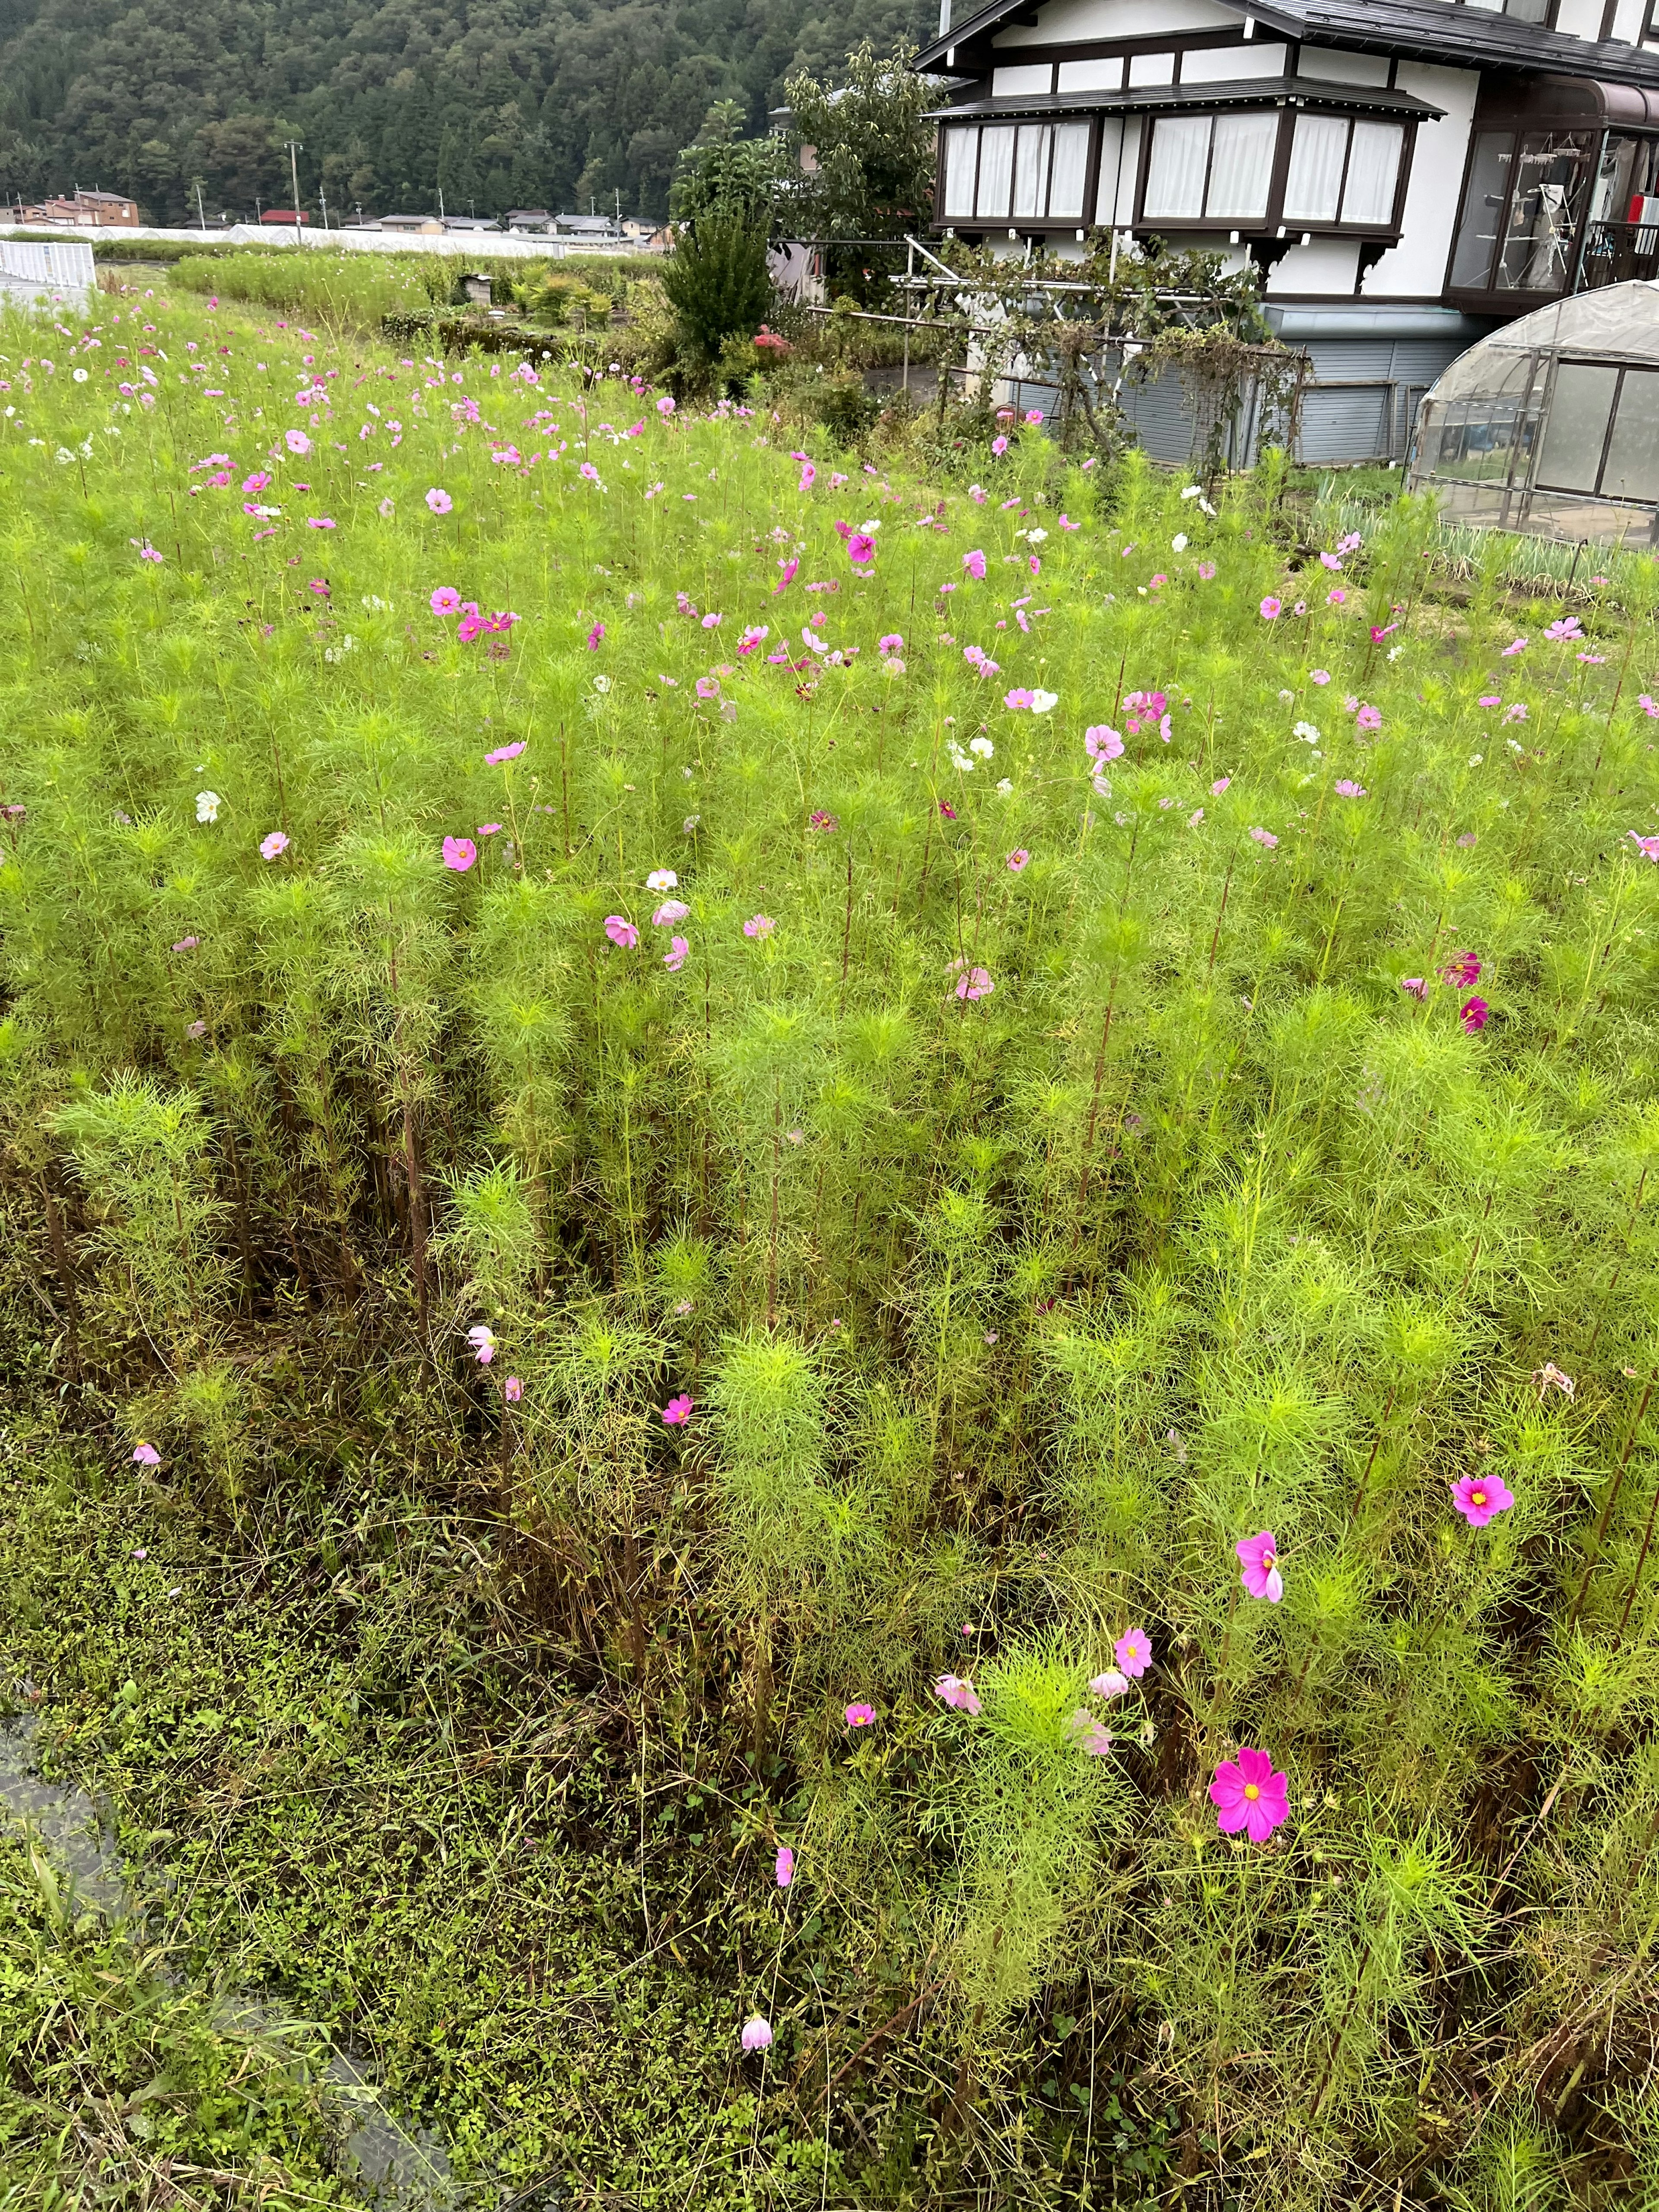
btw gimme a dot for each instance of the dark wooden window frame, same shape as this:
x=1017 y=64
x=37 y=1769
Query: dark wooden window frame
x=1275 y=223
x=1084 y=221
x=1521 y=125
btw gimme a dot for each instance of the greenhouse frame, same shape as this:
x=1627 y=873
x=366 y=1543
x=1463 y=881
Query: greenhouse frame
x=1551 y=424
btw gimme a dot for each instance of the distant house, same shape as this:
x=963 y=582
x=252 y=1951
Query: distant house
x=471 y=223
x=595 y=229
x=426 y=226
x=286 y=216
x=528 y=218
x=87 y=210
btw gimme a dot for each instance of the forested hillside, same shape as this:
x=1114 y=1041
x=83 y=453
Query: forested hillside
x=496 y=103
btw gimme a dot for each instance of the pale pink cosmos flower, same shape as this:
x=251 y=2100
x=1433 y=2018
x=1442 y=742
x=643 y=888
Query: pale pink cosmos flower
x=439 y=499
x=145 y=1454
x=445 y=600
x=502 y=754
x=1112 y=1684
x=1272 y=609
x=891 y=643
x=1219 y=786
x=1133 y=1652
x=759 y=925
x=670 y=912
x=1650 y=706
x=674 y=959
x=1519 y=646
x=1019 y=860
x=859 y=1716
x=1088 y=1734
x=677 y=1412
x=756 y=2032
x=1319 y=676
x=1247 y=1794
x=1490 y=699
x=1567 y=629
x=1478 y=1496
x=959 y=1695
x=784 y=1866
x=1259 y=1558
x=1416 y=987
x=512 y=1389
x=1265 y=837
x=1346 y=788
x=1102 y=744
x=998 y=447
x=1549 y=1377
x=1368 y=718
x=621 y=932
x=482 y=1340
x=974 y=983
x=459 y=854
x=1207 y=570
x=275 y=844
x=297 y=441
x=711 y=621
x=665 y=406
x=1647 y=847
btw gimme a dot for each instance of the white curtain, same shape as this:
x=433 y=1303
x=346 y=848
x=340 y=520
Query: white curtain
x=1031 y=170
x=1315 y=183
x=1175 y=175
x=961 y=145
x=1071 y=160
x=1242 y=167
x=996 y=170
x=1117 y=165
x=1373 y=167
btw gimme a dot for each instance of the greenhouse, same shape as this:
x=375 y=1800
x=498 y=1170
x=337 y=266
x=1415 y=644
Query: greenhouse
x=1551 y=425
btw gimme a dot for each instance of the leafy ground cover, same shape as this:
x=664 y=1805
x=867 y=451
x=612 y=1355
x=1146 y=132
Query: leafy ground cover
x=832 y=1301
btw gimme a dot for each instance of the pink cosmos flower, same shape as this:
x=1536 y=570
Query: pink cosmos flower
x=1650 y=707
x=670 y=912
x=711 y=622
x=621 y=932
x=974 y=983
x=439 y=500
x=1219 y=786
x=755 y=637
x=1329 y=560
x=974 y=562
x=1111 y=1684
x=1519 y=646
x=1102 y=744
x=1461 y=971
x=1034 y=414
x=1368 y=718
x=469 y=626
x=1018 y=698
x=296 y=441
x=1338 y=599
x=145 y=1454
x=1259 y=1557
x=1478 y=1497
x=1207 y=570
x=1346 y=788
x=257 y=481
x=959 y=1695
x=596 y=637
x=482 y=1340
x=445 y=600
x=665 y=406
x=861 y=548
x=589 y=471
x=809 y=475
x=756 y=2032
x=1474 y=1014
x=1247 y=1794
x=784 y=1867
x=709 y=687
x=1517 y=713
x=1416 y=987
x=759 y=925
x=791 y=570
x=1019 y=859
x=998 y=447
x=1272 y=609
x=1265 y=837
x=891 y=643
x=1088 y=1734
x=502 y=754
x=1568 y=629
x=859 y=1716
x=1133 y=1652
x=274 y=845
x=677 y=1412
x=459 y=854
x=1319 y=676
x=674 y=959
x=1490 y=699
x=1647 y=847
x=512 y=1389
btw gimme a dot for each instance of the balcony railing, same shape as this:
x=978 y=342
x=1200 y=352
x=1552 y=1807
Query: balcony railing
x=1615 y=253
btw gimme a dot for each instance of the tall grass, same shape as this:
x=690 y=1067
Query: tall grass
x=1066 y=1132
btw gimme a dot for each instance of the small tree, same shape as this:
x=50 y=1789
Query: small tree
x=718 y=284
x=868 y=170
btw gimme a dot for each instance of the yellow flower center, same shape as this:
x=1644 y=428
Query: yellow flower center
x=1478 y=1496
x=1251 y=1791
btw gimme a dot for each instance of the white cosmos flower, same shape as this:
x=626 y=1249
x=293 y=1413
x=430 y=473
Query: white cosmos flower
x=982 y=746
x=208 y=804
x=601 y=684
x=662 y=880
x=1044 y=702
x=1004 y=789
x=1308 y=732
x=79 y=374
x=1178 y=542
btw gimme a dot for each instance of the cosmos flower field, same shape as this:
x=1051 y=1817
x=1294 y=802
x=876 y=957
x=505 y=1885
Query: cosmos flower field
x=985 y=1145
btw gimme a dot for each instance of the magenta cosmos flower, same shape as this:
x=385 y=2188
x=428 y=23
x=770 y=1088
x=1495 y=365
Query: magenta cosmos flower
x=1474 y=1014
x=1247 y=1794
x=677 y=1412
x=1133 y=1652
x=1478 y=1497
x=859 y=1716
x=621 y=932
x=974 y=562
x=757 y=2035
x=439 y=499
x=1462 y=971
x=1259 y=1557
x=272 y=847
x=784 y=1866
x=861 y=548
x=459 y=854
x=445 y=600
x=960 y=1696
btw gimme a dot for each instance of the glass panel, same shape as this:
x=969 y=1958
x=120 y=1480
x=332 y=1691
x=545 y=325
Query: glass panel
x=1315 y=174
x=1071 y=160
x=1528 y=11
x=1632 y=469
x=1242 y=167
x=1578 y=426
x=1175 y=175
x=1031 y=170
x=961 y=145
x=1483 y=210
x=1551 y=181
x=1472 y=438
x=1117 y=166
x=996 y=169
x=1496 y=7
x=1622 y=241
x=1373 y=167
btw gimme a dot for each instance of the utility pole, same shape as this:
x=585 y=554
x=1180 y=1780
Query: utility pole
x=258 y=206
x=295 y=149
x=201 y=213
x=323 y=197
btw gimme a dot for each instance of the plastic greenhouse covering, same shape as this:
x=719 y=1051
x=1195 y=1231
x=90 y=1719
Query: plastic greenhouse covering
x=1551 y=425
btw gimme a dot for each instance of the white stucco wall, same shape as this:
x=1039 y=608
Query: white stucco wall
x=1070 y=21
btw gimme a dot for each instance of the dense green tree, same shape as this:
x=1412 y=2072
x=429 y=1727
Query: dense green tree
x=522 y=106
